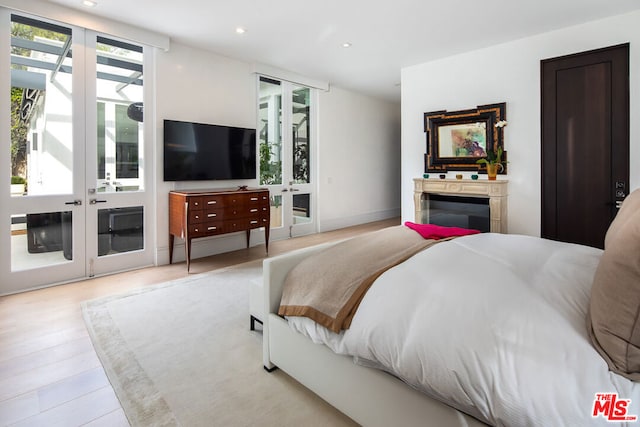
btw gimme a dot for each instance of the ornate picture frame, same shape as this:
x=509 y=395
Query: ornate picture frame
x=457 y=140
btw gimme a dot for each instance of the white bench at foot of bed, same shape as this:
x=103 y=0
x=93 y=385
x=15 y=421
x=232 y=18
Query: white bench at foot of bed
x=368 y=396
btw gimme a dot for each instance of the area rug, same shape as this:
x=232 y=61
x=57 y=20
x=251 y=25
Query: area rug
x=181 y=353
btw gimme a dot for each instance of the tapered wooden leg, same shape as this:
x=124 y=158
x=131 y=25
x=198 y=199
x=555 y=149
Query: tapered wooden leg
x=187 y=249
x=171 y=238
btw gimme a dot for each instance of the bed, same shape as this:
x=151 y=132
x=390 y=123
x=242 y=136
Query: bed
x=484 y=329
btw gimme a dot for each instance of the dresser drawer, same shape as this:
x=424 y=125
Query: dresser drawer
x=236 y=224
x=195 y=203
x=254 y=222
x=214 y=201
x=203 y=229
x=257 y=210
x=235 y=201
x=243 y=211
x=195 y=216
x=258 y=199
x=206 y=215
x=262 y=221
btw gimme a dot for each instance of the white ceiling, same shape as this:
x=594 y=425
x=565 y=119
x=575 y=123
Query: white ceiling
x=306 y=37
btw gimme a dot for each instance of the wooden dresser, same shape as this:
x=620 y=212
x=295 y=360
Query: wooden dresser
x=203 y=213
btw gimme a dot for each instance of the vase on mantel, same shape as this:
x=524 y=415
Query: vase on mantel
x=492 y=170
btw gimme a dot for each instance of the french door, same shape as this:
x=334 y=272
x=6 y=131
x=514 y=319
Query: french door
x=77 y=205
x=286 y=129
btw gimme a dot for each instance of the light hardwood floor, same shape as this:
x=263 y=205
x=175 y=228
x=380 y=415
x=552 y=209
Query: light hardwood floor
x=50 y=374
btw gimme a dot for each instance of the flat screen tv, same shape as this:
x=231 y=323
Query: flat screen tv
x=198 y=152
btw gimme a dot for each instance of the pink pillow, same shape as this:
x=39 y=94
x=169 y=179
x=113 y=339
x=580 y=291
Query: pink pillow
x=436 y=232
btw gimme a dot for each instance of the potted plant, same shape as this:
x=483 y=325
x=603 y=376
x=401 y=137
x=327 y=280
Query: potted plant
x=17 y=185
x=493 y=161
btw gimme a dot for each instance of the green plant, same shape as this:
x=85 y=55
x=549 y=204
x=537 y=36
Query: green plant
x=270 y=172
x=18 y=180
x=19 y=131
x=493 y=157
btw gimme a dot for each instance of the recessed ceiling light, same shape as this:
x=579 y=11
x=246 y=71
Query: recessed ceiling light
x=89 y=3
x=346 y=45
x=240 y=30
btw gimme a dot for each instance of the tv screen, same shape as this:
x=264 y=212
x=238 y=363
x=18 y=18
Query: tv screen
x=198 y=151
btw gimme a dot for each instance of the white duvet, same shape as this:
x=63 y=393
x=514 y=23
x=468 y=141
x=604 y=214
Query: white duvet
x=491 y=324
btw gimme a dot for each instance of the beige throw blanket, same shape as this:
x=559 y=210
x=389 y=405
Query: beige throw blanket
x=329 y=286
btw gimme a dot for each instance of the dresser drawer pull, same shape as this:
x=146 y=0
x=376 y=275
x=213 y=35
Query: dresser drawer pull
x=253 y=210
x=195 y=203
x=254 y=222
x=211 y=215
x=197 y=216
x=254 y=199
x=211 y=202
x=196 y=230
x=212 y=228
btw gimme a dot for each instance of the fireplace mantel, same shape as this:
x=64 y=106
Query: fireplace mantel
x=495 y=191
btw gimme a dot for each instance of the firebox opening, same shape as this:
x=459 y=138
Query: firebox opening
x=457 y=211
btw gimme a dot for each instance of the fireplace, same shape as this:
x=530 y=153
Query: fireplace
x=456 y=211
x=467 y=201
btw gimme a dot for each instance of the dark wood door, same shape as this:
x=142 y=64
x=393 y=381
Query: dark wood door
x=585 y=143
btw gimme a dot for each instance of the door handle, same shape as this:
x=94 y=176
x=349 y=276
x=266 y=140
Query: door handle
x=616 y=203
x=94 y=201
x=77 y=202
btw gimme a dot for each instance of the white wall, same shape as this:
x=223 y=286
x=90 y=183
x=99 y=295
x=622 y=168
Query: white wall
x=359 y=147
x=510 y=72
x=198 y=86
x=359 y=159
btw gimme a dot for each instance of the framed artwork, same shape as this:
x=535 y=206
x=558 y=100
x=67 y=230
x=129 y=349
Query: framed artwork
x=457 y=140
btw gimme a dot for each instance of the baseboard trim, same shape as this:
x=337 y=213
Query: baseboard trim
x=208 y=246
x=350 y=221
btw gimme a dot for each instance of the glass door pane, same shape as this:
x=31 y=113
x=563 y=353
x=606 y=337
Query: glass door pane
x=41 y=108
x=301 y=151
x=120 y=230
x=41 y=239
x=120 y=130
x=302 y=209
x=301 y=135
x=270 y=140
